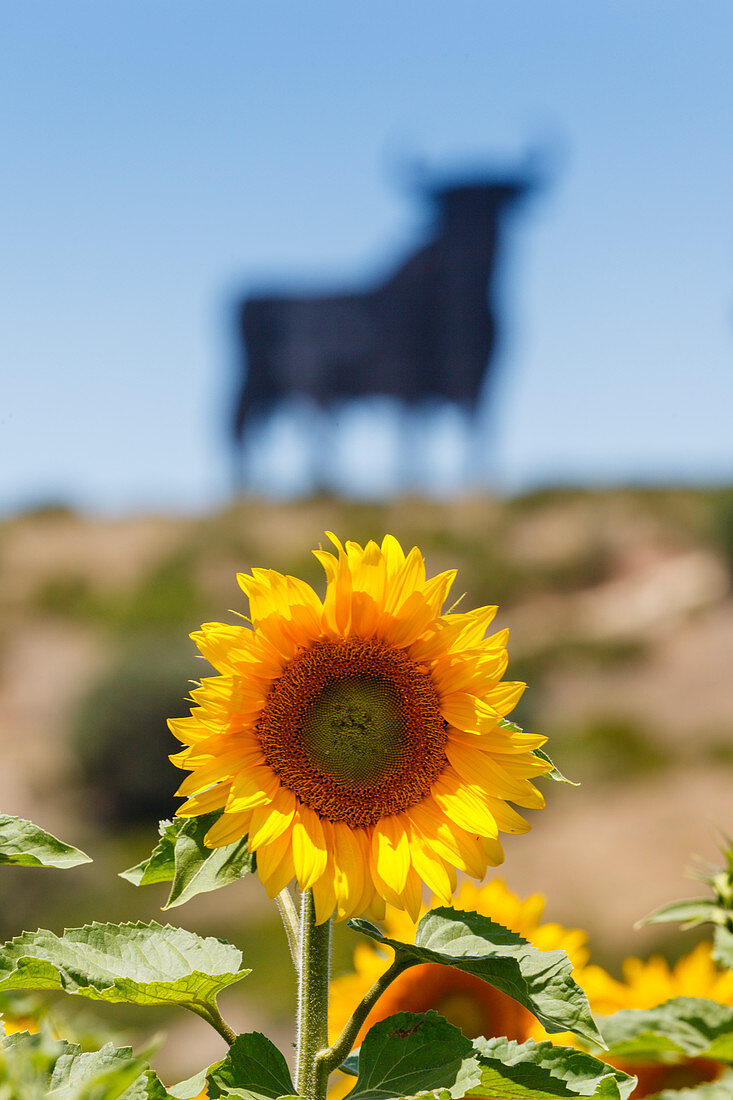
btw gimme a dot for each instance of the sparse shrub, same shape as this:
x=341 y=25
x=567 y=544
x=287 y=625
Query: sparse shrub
x=611 y=749
x=121 y=738
x=722 y=525
x=66 y=595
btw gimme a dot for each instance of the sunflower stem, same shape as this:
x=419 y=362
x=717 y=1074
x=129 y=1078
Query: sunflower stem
x=315 y=961
x=211 y=1014
x=331 y=1058
x=289 y=917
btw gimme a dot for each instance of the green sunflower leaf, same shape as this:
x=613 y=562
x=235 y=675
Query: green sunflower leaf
x=26 y=845
x=716 y=910
x=182 y=858
x=36 y=1066
x=689 y=913
x=541 y=981
x=685 y=1026
x=555 y=773
x=104 y=1074
x=723 y=947
x=253 y=1069
x=145 y=964
x=722 y=1089
x=542 y=1071
x=192 y=1086
x=423 y=1056
x=410 y=1055
x=160 y=865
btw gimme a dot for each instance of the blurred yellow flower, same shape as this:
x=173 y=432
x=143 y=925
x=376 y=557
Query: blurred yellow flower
x=651 y=983
x=11 y=1025
x=356 y=740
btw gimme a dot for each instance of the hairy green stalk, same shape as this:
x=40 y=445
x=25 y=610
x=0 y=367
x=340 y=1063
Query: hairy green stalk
x=289 y=917
x=331 y=1058
x=315 y=962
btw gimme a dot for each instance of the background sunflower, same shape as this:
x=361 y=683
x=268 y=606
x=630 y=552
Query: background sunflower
x=652 y=982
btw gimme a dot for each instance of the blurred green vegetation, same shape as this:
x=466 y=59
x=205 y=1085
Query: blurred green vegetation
x=167 y=597
x=120 y=736
x=722 y=524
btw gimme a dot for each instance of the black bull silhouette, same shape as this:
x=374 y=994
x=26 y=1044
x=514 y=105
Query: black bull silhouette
x=427 y=332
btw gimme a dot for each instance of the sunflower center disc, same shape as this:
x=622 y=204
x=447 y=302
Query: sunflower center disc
x=353 y=728
x=352 y=731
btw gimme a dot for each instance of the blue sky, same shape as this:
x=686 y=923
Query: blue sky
x=162 y=157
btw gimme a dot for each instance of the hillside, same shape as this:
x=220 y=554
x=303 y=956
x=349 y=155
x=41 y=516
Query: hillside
x=621 y=617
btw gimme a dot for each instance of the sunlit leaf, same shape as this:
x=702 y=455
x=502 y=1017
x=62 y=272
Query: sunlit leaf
x=689 y=912
x=717 y=910
x=723 y=947
x=180 y=857
x=139 y=963
x=104 y=1074
x=423 y=1056
x=542 y=1071
x=253 y=1069
x=26 y=845
x=160 y=864
x=35 y=1066
x=192 y=1086
x=688 y=1026
x=539 y=980
x=555 y=773
x=722 y=1089
x=410 y=1054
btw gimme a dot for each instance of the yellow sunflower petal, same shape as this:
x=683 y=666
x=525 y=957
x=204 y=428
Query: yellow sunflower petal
x=215 y=771
x=481 y=768
x=310 y=855
x=457 y=846
x=434 y=872
x=337 y=604
x=505 y=697
x=394 y=555
x=257 y=786
x=466 y=712
x=275 y=865
x=368 y=571
x=492 y=850
x=392 y=852
x=349 y=868
x=508 y=820
x=324 y=894
x=270 y=821
x=408 y=622
x=212 y=799
x=436 y=590
x=226 y=830
x=407 y=579
x=466 y=805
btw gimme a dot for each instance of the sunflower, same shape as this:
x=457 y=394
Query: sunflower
x=358 y=740
x=19 y=1012
x=651 y=983
x=11 y=1025
x=466 y=1001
